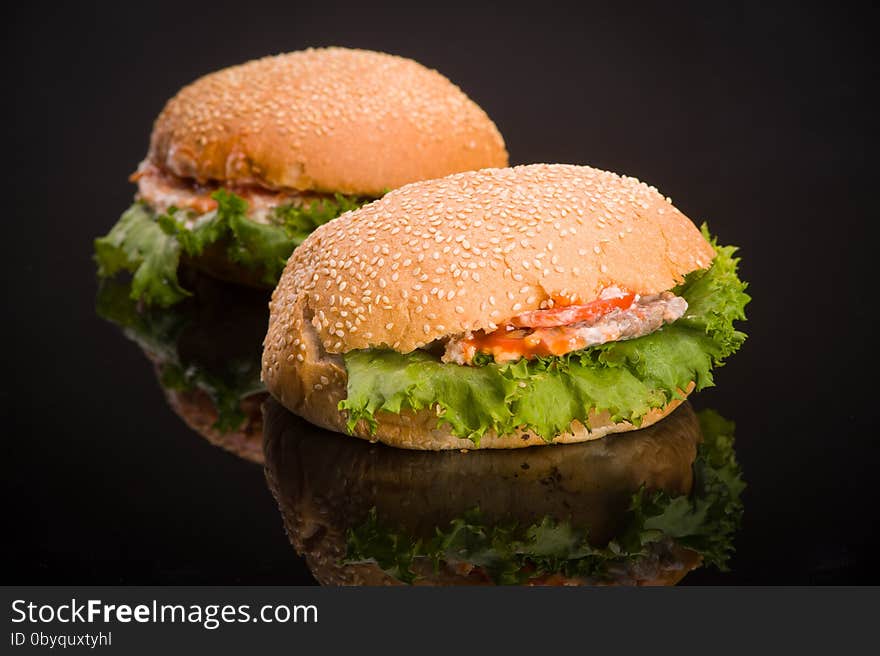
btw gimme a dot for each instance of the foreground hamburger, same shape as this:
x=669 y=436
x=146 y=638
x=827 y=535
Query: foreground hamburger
x=244 y=163
x=206 y=354
x=642 y=508
x=502 y=308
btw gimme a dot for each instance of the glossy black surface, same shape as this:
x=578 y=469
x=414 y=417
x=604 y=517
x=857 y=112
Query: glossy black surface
x=757 y=120
x=639 y=508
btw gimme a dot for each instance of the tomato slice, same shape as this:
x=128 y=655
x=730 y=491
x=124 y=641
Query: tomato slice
x=544 y=332
x=567 y=315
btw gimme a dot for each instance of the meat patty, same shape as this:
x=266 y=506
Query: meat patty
x=645 y=315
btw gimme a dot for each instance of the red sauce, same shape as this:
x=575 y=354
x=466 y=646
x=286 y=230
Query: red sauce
x=556 y=337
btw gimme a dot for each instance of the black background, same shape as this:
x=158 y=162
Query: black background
x=758 y=119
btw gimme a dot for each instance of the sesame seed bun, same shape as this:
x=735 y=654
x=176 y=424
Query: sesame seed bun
x=463 y=253
x=329 y=119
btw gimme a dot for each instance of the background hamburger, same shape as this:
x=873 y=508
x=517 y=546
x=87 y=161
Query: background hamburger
x=502 y=308
x=642 y=508
x=244 y=163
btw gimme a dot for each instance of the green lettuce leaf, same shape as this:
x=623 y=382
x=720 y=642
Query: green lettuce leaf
x=704 y=521
x=300 y=222
x=138 y=244
x=150 y=245
x=626 y=378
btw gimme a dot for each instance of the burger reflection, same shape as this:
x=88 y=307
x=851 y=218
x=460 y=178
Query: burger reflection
x=206 y=354
x=638 y=508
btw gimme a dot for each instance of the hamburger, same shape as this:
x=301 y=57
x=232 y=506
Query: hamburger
x=244 y=163
x=205 y=352
x=639 y=508
x=502 y=308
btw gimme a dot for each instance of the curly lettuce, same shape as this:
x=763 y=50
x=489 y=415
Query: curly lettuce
x=625 y=378
x=703 y=521
x=150 y=245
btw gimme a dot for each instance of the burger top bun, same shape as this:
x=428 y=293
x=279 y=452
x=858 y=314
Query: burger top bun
x=472 y=250
x=329 y=119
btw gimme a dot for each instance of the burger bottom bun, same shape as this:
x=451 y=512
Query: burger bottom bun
x=314 y=386
x=420 y=430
